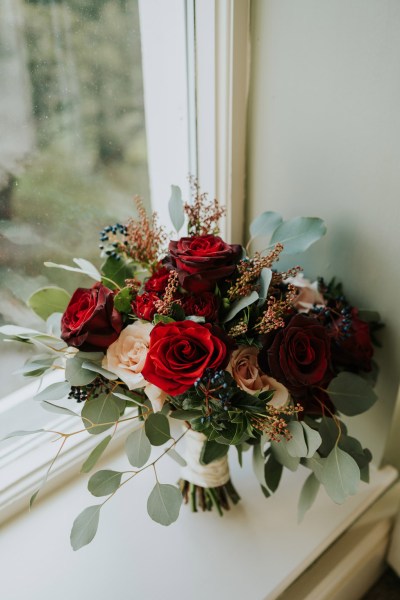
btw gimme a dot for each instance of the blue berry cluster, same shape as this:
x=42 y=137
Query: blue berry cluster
x=217 y=386
x=110 y=246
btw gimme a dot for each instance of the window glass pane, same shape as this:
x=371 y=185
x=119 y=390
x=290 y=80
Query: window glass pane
x=72 y=144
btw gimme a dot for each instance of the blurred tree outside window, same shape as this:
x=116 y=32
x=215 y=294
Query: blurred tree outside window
x=72 y=145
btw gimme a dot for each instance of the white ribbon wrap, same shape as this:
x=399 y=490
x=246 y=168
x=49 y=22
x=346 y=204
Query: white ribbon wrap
x=212 y=475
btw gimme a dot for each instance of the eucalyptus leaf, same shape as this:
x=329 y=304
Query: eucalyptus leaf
x=157 y=429
x=313 y=439
x=298 y=234
x=185 y=415
x=351 y=394
x=104 y=482
x=172 y=453
x=258 y=464
x=138 y=447
x=95 y=455
x=265 y=224
x=127 y=398
x=75 y=374
x=20 y=433
x=329 y=431
x=280 y=452
x=340 y=475
x=98 y=369
x=99 y=414
x=212 y=451
x=49 y=300
x=164 y=503
x=316 y=464
x=61 y=410
x=265 y=280
x=296 y=446
x=308 y=495
x=273 y=473
x=55 y=391
x=91 y=270
x=175 y=208
x=85 y=526
x=240 y=304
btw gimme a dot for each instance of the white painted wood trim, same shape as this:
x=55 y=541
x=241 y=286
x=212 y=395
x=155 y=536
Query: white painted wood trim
x=394 y=547
x=222 y=75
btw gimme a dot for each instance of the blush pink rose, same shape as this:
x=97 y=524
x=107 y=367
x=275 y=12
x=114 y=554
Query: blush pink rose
x=308 y=294
x=243 y=367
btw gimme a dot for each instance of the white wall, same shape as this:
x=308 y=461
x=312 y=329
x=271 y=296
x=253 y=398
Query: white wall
x=324 y=140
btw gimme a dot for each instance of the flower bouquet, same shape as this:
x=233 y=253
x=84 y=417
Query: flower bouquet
x=201 y=333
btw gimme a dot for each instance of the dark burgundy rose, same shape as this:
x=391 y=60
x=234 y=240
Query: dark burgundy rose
x=314 y=401
x=158 y=281
x=355 y=351
x=204 y=305
x=180 y=352
x=202 y=260
x=91 y=322
x=298 y=355
x=144 y=306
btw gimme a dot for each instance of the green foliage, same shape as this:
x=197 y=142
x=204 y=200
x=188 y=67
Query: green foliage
x=157 y=429
x=75 y=374
x=296 y=446
x=95 y=455
x=172 y=453
x=340 y=475
x=49 y=300
x=84 y=268
x=175 y=208
x=117 y=271
x=265 y=280
x=265 y=224
x=351 y=394
x=104 y=482
x=60 y=410
x=20 y=433
x=308 y=495
x=164 y=503
x=123 y=300
x=281 y=454
x=212 y=451
x=272 y=473
x=138 y=447
x=99 y=414
x=85 y=526
x=239 y=305
x=298 y=234
x=55 y=391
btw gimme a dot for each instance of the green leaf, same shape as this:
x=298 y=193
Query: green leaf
x=212 y=451
x=16 y=330
x=75 y=374
x=316 y=464
x=185 y=415
x=296 y=446
x=313 y=439
x=162 y=319
x=265 y=224
x=265 y=280
x=98 y=369
x=122 y=301
x=351 y=394
x=172 y=453
x=369 y=316
x=54 y=408
x=329 y=432
x=95 y=455
x=55 y=391
x=36 y=365
x=340 y=475
x=138 y=447
x=127 y=398
x=308 y=494
x=84 y=266
x=157 y=429
x=104 y=482
x=164 y=503
x=175 y=208
x=20 y=433
x=102 y=412
x=299 y=233
x=353 y=447
x=49 y=300
x=258 y=464
x=239 y=305
x=273 y=473
x=117 y=271
x=85 y=526
x=280 y=452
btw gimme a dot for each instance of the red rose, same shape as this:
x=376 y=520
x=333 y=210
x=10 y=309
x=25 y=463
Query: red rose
x=355 y=351
x=298 y=355
x=204 y=305
x=90 y=321
x=202 y=260
x=180 y=352
x=144 y=306
x=158 y=281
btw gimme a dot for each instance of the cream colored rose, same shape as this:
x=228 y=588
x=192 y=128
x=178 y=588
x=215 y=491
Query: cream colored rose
x=243 y=367
x=126 y=358
x=308 y=293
